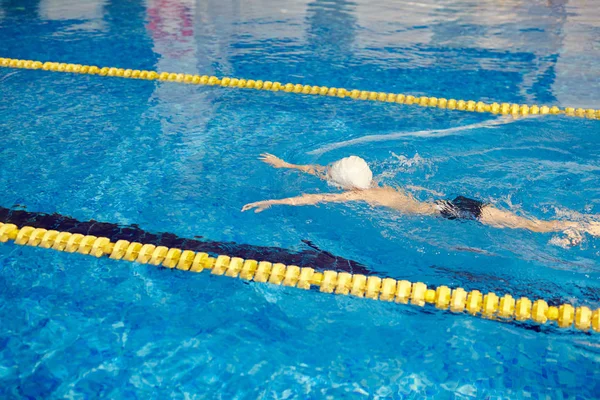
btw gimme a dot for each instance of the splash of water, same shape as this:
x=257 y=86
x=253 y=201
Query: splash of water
x=434 y=133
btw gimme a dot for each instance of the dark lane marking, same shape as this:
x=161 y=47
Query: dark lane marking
x=312 y=256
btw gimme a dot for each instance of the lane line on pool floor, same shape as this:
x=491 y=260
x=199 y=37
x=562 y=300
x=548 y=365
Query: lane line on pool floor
x=308 y=255
x=458 y=300
x=297 y=88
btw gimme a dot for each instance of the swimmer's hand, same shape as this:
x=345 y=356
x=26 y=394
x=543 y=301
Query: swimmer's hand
x=573 y=236
x=274 y=161
x=259 y=206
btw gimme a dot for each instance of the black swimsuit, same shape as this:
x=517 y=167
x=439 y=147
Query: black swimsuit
x=460 y=208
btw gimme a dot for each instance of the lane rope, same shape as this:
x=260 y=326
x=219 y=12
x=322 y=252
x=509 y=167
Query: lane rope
x=423 y=101
x=458 y=300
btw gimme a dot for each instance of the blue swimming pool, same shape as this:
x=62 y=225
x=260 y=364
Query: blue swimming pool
x=183 y=159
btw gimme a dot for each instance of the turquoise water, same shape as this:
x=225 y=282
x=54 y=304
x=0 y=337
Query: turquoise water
x=182 y=159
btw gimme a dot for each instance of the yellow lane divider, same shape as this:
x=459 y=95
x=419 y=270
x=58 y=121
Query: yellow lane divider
x=489 y=305
x=424 y=101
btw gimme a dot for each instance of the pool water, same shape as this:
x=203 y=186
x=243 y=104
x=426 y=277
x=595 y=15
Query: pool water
x=183 y=159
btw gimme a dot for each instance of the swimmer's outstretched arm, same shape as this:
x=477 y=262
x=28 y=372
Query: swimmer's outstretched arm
x=304 y=200
x=382 y=197
x=276 y=162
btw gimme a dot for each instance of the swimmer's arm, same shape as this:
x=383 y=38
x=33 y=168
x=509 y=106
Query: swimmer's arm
x=276 y=162
x=304 y=200
x=389 y=199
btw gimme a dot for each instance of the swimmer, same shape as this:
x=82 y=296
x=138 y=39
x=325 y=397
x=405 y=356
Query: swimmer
x=353 y=175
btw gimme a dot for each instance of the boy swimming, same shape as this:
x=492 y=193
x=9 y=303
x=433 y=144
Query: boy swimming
x=354 y=176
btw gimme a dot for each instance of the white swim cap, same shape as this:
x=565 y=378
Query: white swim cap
x=351 y=173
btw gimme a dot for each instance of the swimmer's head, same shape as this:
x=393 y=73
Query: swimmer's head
x=350 y=173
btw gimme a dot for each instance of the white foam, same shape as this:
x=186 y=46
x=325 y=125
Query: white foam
x=399 y=135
